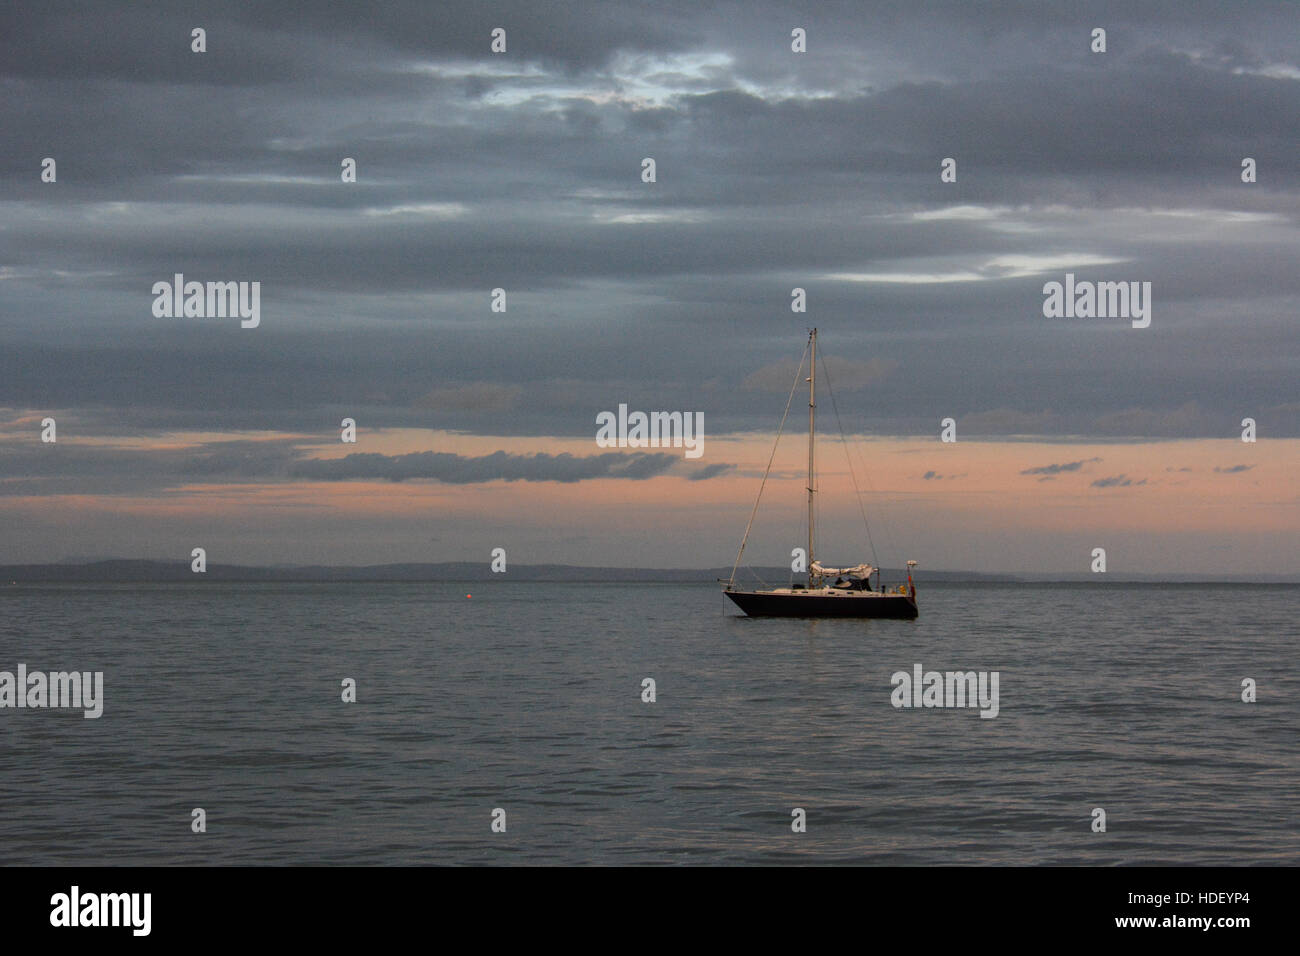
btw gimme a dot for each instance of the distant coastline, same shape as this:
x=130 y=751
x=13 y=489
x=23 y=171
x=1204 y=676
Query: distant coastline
x=127 y=570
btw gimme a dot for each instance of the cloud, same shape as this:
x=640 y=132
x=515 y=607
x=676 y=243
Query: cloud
x=982 y=268
x=72 y=466
x=498 y=466
x=1235 y=469
x=85 y=465
x=1118 y=481
x=709 y=471
x=1058 y=469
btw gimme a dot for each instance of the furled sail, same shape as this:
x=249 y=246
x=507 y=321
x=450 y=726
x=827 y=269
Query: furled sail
x=857 y=571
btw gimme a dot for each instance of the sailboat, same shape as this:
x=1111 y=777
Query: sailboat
x=829 y=592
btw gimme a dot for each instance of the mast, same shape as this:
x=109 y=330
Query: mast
x=812 y=412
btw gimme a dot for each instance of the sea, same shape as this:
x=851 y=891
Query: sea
x=499 y=723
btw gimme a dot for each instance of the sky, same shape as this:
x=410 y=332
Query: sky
x=774 y=170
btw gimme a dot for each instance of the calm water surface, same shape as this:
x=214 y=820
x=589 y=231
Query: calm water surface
x=528 y=697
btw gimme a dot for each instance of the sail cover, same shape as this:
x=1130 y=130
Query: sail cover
x=857 y=571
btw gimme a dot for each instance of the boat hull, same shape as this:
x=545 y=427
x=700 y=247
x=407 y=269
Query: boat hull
x=818 y=604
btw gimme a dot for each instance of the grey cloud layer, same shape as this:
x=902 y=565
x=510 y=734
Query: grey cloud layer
x=775 y=171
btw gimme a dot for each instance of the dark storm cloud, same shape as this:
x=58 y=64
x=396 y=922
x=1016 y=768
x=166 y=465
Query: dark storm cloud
x=775 y=170
x=250 y=45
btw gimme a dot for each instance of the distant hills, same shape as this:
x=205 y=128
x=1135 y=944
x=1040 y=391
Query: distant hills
x=125 y=570
x=134 y=570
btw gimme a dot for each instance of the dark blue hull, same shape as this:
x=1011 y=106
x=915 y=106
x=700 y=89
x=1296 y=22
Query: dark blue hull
x=848 y=604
